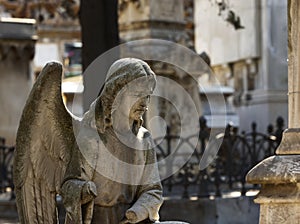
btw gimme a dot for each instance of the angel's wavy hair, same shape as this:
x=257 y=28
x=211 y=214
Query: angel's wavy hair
x=120 y=74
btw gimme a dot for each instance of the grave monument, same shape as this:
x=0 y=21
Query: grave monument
x=103 y=165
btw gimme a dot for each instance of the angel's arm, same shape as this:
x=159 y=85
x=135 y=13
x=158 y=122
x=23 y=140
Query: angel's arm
x=149 y=193
x=77 y=191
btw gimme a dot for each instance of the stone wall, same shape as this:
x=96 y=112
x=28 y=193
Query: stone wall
x=206 y=211
x=219 y=39
x=251 y=59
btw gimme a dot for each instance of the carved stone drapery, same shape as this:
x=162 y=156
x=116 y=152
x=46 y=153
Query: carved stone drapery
x=124 y=3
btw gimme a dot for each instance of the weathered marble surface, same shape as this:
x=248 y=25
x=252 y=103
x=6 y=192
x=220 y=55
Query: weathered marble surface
x=105 y=169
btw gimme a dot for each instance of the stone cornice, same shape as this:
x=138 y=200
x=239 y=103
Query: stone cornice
x=152 y=24
x=72 y=32
x=17 y=29
x=276 y=170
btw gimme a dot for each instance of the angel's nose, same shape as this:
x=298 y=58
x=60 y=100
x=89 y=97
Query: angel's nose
x=143 y=102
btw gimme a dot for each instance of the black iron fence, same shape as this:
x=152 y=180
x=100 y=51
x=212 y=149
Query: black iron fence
x=234 y=156
x=237 y=154
x=6 y=165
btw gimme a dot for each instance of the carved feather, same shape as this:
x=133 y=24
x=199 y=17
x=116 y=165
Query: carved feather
x=44 y=144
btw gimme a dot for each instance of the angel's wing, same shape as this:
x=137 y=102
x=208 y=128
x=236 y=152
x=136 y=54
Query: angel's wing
x=44 y=144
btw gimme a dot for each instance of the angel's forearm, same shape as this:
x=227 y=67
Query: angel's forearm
x=147 y=206
x=78 y=168
x=77 y=193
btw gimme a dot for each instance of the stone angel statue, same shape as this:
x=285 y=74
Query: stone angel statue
x=103 y=165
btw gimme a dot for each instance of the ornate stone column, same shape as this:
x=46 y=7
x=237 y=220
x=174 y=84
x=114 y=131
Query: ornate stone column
x=279 y=175
x=17 y=47
x=139 y=19
x=168 y=20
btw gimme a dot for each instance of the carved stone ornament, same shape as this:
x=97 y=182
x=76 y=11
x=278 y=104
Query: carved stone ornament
x=123 y=4
x=51 y=11
x=16 y=50
x=103 y=165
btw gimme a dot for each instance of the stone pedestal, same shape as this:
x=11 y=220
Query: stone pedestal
x=279 y=197
x=280 y=204
x=279 y=175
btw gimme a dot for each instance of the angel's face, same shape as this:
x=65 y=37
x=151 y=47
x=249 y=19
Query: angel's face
x=139 y=103
x=134 y=100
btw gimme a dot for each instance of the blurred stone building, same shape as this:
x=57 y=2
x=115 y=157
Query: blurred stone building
x=247 y=45
x=33 y=33
x=17 y=45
